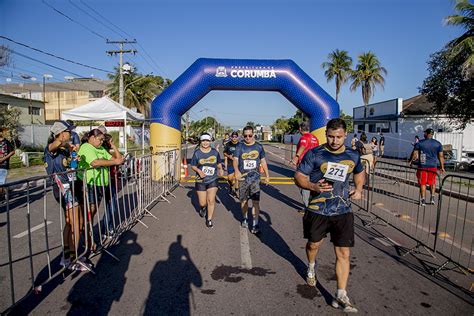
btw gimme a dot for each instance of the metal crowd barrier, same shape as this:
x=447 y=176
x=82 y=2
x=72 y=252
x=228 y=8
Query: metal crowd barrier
x=445 y=227
x=455 y=222
x=35 y=231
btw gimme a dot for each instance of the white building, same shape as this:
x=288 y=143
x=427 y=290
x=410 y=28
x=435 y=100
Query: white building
x=401 y=120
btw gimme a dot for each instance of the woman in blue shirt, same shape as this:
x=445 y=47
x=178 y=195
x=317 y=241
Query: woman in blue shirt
x=207 y=164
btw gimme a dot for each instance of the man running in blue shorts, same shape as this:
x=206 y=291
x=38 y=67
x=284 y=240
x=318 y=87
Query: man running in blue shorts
x=247 y=159
x=325 y=171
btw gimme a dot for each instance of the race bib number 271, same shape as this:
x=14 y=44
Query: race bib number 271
x=336 y=171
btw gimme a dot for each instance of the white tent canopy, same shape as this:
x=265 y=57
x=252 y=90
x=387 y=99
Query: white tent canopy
x=101 y=109
x=105 y=109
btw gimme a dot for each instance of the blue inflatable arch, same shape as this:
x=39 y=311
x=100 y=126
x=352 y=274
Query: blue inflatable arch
x=205 y=75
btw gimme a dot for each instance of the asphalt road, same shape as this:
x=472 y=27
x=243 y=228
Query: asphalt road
x=178 y=266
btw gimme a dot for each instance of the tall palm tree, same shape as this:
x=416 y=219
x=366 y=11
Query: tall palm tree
x=338 y=67
x=139 y=90
x=367 y=74
x=465 y=42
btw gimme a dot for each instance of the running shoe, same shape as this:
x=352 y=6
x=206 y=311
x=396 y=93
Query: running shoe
x=255 y=230
x=311 y=277
x=65 y=262
x=202 y=211
x=209 y=223
x=245 y=224
x=422 y=202
x=432 y=201
x=81 y=267
x=344 y=303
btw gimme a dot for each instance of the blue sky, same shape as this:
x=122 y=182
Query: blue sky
x=172 y=34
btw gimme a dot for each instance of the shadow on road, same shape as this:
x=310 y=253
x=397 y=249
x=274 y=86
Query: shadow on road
x=171 y=280
x=275 y=193
x=95 y=294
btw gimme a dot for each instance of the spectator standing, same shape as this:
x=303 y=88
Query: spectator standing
x=6 y=151
x=57 y=157
x=354 y=141
x=426 y=153
x=381 y=145
x=307 y=142
x=365 y=151
x=75 y=140
x=96 y=160
x=375 y=148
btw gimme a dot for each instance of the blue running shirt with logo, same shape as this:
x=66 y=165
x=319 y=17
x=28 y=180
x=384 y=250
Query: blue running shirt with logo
x=249 y=157
x=428 y=150
x=207 y=162
x=336 y=167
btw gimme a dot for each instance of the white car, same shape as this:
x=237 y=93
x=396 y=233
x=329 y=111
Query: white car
x=467 y=161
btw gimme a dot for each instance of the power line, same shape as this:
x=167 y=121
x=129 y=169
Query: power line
x=74 y=21
x=52 y=55
x=44 y=63
x=130 y=36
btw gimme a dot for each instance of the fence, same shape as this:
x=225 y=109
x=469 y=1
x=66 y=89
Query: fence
x=85 y=219
x=443 y=226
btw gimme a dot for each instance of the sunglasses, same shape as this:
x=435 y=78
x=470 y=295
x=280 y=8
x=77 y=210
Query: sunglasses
x=248 y=136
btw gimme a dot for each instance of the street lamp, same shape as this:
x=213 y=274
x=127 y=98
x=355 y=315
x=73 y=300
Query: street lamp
x=48 y=76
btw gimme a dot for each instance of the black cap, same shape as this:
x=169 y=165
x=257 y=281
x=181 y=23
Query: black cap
x=429 y=131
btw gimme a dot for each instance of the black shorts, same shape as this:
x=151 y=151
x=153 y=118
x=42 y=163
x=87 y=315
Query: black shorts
x=201 y=186
x=341 y=227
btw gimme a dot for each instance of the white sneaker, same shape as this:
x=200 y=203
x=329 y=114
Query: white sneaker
x=344 y=303
x=311 y=277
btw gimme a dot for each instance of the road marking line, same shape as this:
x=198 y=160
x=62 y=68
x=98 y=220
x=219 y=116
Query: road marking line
x=245 y=249
x=23 y=234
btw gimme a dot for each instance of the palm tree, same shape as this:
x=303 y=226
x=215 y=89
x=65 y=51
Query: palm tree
x=139 y=90
x=367 y=74
x=465 y=42
x=338 y=67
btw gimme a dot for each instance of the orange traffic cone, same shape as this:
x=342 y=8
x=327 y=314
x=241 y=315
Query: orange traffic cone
x=261 y=168
x=185 y=166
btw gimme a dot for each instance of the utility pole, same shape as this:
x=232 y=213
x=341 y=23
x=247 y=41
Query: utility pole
x=187 y=125
x=121 y=52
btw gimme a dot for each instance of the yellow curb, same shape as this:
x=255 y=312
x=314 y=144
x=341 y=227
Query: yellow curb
x=443 y=235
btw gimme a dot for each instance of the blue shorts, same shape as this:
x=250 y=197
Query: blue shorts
x=201 y=186
x=3 y=176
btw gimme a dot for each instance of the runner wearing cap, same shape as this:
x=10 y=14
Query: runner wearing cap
x=56 y=158
x=229 y=156
x=247 y=159
x=206 y=162
x=427 y=152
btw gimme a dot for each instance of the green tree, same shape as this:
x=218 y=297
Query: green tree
x=349 y=121
x=250 y=124
x=338 y=68
x=139 y=90
x=10 y=119
x=367 y=74
x=464 y=44
x=448 y=88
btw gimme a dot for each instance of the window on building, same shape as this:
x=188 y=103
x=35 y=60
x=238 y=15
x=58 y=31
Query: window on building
x=96 y=94
x=371 y=128
x=32 y=110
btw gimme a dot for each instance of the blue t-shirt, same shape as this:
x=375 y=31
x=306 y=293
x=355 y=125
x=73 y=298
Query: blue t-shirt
x=229 y=150
x=207 y=162
x=428 y=150
x=249 y=157
x=75 y=138
x=57 y=162
x=315 y=164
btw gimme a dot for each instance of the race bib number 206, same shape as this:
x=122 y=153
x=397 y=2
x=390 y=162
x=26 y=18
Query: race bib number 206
x=336 y=171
